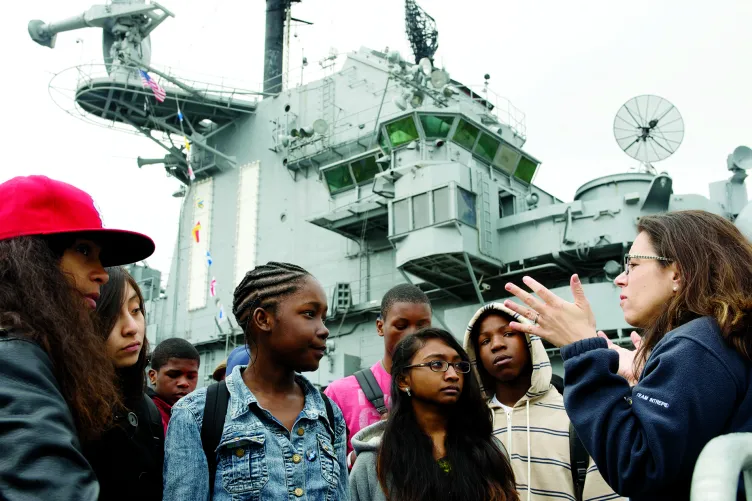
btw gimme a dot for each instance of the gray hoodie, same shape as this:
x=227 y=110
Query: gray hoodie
x=364 y=484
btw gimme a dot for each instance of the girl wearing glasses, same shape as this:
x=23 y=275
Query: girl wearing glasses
x=688 y=284
x=437 y=442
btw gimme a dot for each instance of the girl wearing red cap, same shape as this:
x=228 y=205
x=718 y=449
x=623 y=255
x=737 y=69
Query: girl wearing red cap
x=56 y=381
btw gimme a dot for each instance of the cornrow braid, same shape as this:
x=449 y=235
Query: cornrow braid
x=263 y=286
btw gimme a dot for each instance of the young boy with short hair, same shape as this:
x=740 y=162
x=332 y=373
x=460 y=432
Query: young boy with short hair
x=405 y=309
x=173 y=374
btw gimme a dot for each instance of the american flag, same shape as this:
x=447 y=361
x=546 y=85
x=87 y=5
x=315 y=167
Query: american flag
x=159 y=92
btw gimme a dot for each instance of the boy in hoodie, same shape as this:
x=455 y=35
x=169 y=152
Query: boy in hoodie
x=405 y=309
x=529 y=417
x=173 y=374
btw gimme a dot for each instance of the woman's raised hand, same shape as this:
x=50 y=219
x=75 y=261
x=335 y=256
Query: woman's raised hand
x=555 y=320
x=626 y=357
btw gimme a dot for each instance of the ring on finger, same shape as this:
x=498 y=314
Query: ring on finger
x=535 y=321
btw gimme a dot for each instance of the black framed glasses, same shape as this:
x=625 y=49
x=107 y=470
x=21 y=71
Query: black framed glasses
x=629 y=257
x=443 y=366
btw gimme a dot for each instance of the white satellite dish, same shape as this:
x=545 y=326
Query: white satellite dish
x=649 y=129
x=439 y=78
x=320 y=126
x=741 y=158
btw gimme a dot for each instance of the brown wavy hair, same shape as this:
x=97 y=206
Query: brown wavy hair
x=714 y=260
x=38 y=302
x=131 y=380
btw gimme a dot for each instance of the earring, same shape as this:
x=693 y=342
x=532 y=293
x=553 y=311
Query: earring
x=408 y=392
x=676 y=288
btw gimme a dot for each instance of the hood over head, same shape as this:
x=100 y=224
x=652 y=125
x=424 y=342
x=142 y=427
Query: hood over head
x=541 y=377
x=369 y=438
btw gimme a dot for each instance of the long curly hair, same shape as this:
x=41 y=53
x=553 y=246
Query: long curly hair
x=406 y=468
x=715 y=264
x=131 y=380
x=38 y=302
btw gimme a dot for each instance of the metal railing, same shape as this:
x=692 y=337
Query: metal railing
x=716 y=475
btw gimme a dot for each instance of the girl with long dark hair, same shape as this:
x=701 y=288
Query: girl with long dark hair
x=437 y=442
x=128 y=457
x=688 y=284
x=276 y=435
x=56 y=382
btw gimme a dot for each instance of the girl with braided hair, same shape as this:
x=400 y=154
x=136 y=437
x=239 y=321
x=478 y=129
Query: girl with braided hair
x=277 y=440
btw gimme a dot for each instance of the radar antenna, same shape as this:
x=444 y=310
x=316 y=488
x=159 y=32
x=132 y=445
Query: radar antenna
x=649 y=129
x=421 y=31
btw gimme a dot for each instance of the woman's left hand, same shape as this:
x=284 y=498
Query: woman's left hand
x=557 y=321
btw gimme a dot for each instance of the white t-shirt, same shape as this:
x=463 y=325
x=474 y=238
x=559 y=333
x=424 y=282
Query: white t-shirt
x=506 y=408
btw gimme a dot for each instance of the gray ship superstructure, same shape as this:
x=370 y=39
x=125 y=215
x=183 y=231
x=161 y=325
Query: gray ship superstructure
x=382 y=172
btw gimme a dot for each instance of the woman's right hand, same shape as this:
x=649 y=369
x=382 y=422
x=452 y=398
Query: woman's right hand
x=626 y=357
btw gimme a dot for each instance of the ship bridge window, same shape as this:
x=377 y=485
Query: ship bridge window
x=486 y=148
x=448 y=203
x=365 y=169
x=441 y=209
x=402 y=131
x=436 y=126
x=339 y=178
x=465 y=135
x=525 y=170
x=506 y=203
x=466 y=207
x=506 y=159
x=384 y=143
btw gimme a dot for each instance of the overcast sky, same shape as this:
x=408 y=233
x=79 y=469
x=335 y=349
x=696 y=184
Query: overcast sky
x=568 y=65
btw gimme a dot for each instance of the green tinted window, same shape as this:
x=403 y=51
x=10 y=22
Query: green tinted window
x=486 y=147
x=525 y=170
x=384 y=143
x=465 y=135
x=402 y=131
x=338 y=178
x=506 y=159
x=364 y=169
x=436 y=126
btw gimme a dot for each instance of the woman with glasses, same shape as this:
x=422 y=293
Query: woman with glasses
x=688 y=285
x=437 y=442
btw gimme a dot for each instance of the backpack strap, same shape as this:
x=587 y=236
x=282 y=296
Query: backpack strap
x=579 y=459
x=155 y=419
x=215 y=411
x=371 y=389
x=329 y=415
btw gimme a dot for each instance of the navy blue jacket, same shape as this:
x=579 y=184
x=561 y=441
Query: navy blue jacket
x=646 y=440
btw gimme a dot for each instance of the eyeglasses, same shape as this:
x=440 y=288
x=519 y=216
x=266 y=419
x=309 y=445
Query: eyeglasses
x=443 y=366
x=629 y=257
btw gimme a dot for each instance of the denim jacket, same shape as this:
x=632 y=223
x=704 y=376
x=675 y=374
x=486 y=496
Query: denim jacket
x=257 y=457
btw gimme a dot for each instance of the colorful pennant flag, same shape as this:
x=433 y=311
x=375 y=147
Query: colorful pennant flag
x=191 y=175
x=213 y=287
x=146 y=81
x=200 y=203
x=187 y=144
x=195 y=231
x=180 y=115
x=221 y=315
x=208 y=259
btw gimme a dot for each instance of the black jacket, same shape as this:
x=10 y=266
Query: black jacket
x=128 y=458
x=40 y=454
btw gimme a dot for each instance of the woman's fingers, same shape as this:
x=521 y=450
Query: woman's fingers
x=604 y=336
x=636 y=339
x=526 y=297
x=522 y=311
x=546 y=295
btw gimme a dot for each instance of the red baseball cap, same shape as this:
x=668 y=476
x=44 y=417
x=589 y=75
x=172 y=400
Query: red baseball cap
x=38 y=205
